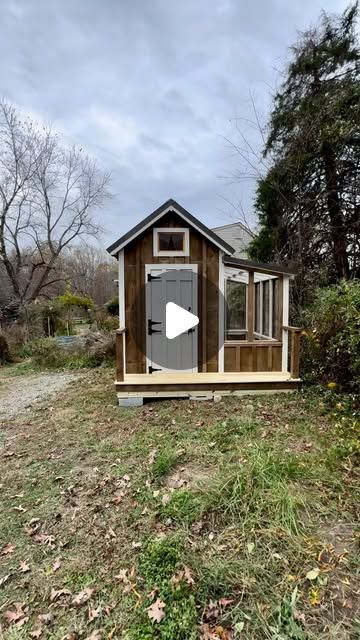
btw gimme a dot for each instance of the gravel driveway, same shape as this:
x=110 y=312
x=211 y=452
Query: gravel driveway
x=17 y=394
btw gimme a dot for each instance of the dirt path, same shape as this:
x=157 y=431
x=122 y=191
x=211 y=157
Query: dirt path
x=18 y=394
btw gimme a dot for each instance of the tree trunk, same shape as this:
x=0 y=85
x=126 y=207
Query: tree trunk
x=338 y=231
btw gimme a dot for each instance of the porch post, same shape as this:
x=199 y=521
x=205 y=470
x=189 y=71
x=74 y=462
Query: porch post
x=285 y=323
x=120 y=354
x=251 y=307
x=120 y=334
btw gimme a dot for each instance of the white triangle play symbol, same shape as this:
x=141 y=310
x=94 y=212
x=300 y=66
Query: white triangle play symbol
x=178 y=320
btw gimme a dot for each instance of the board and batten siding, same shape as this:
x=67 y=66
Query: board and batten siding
x=137 y=254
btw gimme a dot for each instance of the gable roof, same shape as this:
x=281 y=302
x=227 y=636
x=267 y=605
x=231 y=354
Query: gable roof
x=169 y=205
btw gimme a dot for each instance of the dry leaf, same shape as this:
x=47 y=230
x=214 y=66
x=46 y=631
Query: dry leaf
x=4 y=580
x=82 y=597
x=20 y=509
x=56 y=565
x=117 y=499
x=17 y=615
x=56 y=594
x=156 y=611
x=95 y=635
x=44 y=538
x=313 y=574
x=36 y=633
x=94 y=613
x=152 y=455
x=45 y=618
x=7 y=548
x=24 y=566
x=224 y=602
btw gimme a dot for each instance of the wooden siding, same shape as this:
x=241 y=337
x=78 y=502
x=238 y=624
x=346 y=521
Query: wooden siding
x=258 y=356
x=139 y=253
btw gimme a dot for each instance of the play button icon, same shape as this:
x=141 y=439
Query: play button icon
x=178 y=320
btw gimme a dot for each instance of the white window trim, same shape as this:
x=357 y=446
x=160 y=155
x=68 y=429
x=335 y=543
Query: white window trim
x=171 y=254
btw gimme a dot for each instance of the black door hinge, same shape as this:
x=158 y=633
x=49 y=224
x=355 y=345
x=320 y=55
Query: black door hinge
x=152 y=369
x=150 y=278
x=150 y=327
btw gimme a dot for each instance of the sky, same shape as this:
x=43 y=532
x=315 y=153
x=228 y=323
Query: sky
x=160 y=92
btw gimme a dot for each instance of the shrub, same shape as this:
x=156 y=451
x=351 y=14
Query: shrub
x=92 y=351
x=45 y=353
x=331 y=347
x=112 y=306
x=4 y=350
x=106 y=322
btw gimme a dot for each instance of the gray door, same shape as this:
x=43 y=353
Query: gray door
x=166 y=284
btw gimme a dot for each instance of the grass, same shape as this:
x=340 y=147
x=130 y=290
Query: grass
x=266 y=490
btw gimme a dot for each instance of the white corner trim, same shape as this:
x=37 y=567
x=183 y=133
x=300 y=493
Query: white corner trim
x=285 y=321
x=221 y=303
x=121 y=290
x=171 y=254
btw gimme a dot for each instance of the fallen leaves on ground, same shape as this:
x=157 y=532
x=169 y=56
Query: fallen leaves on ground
x=215 y=633
x=82 y=597
x=185 y=575
x=94 y=613
x=17 y=616
x=313 y=574
x=95 y=635
x=56 y=594
x=156 y=611
x=56 y=565
x=24 y=566
x=7 y=548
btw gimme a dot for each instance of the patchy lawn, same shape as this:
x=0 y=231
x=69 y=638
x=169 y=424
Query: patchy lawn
x=179 y=520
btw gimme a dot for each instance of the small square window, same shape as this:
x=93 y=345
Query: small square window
x=171 y=240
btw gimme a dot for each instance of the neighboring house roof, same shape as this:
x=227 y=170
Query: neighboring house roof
x=169 y=205
x=260 y=266
x=237 y=235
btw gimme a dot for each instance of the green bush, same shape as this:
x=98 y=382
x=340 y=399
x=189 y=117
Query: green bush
x=112 y=306
x=45 y=353
x=331 y=345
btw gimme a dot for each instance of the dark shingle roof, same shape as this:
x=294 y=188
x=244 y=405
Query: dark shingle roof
x=194 y=222
x=250 y=264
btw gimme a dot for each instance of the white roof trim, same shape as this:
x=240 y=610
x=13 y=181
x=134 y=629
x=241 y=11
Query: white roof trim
x=171 y=207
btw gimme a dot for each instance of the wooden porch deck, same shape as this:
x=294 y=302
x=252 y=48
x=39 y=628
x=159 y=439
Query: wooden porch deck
x=185 y=385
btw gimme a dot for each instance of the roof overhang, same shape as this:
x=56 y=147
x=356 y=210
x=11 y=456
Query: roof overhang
x=260 y=267
x=169 y=205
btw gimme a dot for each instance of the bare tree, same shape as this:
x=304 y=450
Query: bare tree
x=48 y=194
x=92 y=271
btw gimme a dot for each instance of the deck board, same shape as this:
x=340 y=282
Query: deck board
x=203 y=378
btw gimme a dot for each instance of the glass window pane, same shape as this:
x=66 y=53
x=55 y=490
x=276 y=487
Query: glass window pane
x=257 y=307
x=171 y=241
x=235 y=306
x=266 y=299
x=275 y=327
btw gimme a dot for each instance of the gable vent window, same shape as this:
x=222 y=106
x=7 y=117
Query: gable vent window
x=171 y=242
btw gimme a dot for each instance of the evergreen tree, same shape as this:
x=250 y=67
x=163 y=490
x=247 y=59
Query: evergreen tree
x=308 y=203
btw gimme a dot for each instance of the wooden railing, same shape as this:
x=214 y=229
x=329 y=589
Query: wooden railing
x=295 y=333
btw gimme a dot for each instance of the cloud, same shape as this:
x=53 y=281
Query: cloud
x=152 y=89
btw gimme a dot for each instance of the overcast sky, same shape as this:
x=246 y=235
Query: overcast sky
x=153 y=88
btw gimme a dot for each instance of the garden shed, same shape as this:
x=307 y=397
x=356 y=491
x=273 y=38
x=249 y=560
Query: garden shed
x=242 y=341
